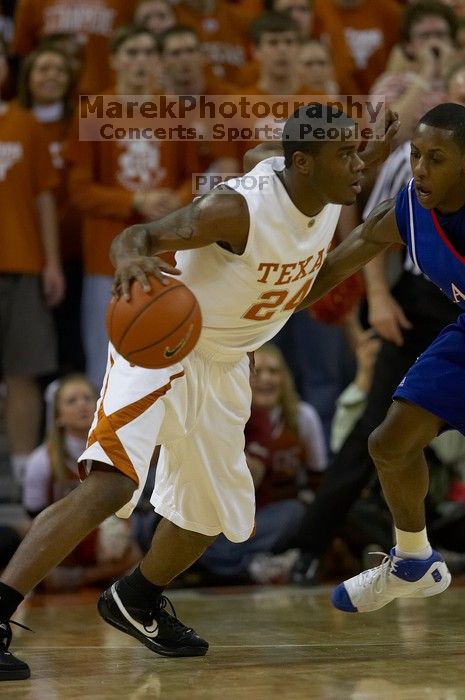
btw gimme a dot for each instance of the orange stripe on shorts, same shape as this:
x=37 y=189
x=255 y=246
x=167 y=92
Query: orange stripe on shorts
x=105 y=430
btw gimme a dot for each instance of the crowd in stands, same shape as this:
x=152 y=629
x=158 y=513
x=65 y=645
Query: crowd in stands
x=327 y=381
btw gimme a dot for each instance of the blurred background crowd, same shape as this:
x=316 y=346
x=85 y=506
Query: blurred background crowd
x=328 y=379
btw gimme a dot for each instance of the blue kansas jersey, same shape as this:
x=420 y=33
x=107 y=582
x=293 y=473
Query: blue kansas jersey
x=436 y=381
x=429 y=246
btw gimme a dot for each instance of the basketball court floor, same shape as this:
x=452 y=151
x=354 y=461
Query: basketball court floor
x=265 y=643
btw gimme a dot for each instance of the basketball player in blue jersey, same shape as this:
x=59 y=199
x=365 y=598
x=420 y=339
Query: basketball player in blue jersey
x=428 y=216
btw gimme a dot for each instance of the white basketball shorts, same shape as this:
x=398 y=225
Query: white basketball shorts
x=196 y=410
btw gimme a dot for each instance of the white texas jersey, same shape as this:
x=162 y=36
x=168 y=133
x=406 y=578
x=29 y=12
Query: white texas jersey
x=246 y=299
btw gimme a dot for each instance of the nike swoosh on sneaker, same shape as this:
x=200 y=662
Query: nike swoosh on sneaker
x=151 y=632
x=170 y=352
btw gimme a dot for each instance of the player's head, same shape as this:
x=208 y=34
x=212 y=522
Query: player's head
x=438 y=157
x=321 y=150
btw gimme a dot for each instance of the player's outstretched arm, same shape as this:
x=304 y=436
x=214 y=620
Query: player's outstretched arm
x=376 y=234
x=221 y=216
x=378 y=149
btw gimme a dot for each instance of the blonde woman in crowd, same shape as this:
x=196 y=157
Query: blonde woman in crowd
x=52 y=472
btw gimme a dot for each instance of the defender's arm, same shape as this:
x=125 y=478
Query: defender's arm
x=369 y=239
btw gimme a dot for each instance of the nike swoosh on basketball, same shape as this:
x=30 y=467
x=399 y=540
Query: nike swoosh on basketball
x=170 y=352
x=150 y=632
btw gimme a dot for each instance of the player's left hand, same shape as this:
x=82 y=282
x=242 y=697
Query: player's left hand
x=53 y=285
x=377 y=150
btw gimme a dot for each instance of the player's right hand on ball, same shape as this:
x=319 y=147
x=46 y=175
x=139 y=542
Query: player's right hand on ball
x=139 y=268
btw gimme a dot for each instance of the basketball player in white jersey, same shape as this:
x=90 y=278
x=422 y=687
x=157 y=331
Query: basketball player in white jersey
x=250 y=255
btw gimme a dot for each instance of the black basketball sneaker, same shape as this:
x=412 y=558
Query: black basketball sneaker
x=158 y=629
x=11 y=668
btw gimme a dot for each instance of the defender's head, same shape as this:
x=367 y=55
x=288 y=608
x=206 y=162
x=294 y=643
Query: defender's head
x=438 y=157
x=321 y=147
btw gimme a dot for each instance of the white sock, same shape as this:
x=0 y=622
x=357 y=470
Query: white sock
x=18 y=463
x=412 y=545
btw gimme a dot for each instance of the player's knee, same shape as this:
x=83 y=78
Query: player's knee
x=112 y=490
x=383 y=449
x=392 y=445
x=121 y=493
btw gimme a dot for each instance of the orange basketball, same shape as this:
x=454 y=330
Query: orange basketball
x=158 y=328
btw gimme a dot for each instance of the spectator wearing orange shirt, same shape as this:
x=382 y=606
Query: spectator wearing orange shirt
x=183 y=71
x=46 y=88
x=360 y=35
x=223 y=33
x=115 y=183
x=158 y=16
x=31 y=279
x=92 y=21
x=184 y=64
x=276 y=41
x=276 y=48
x=317 y=68
x=301 y=12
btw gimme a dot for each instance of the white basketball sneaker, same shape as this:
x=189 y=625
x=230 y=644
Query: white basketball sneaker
x=394 y=578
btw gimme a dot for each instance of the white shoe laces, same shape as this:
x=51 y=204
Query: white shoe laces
x=377 y=576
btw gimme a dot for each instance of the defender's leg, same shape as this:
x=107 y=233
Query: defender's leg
x=412 y=569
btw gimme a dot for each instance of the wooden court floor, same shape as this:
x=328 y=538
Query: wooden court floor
x=265 y=643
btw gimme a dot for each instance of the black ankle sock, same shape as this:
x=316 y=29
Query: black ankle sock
x=137 y=591
x=9 y=601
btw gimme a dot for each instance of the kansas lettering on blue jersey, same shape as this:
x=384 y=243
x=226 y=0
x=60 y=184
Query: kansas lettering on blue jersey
x=429 y=246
